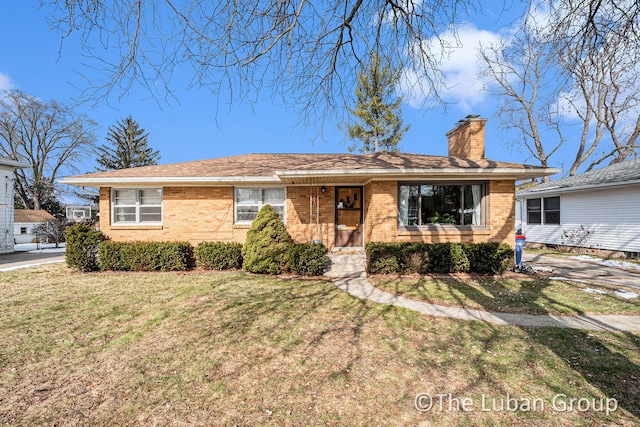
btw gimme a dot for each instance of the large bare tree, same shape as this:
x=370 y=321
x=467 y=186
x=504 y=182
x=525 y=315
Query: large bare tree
x=546 y=85
x=49 y=136
x=309 y=52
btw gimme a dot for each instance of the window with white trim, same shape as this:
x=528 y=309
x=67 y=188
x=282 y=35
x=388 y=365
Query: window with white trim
x=544 y=210
x=136 y=206
x=248 y=202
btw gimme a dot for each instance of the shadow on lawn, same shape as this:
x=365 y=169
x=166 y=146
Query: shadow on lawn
x=610 y=371
x=296 y=318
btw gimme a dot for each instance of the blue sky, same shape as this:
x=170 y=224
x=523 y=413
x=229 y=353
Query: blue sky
x=201 y=126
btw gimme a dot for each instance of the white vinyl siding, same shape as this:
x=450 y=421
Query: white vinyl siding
x=6 y=209
x=136 y=206
x=612 y=217
x=248 y=202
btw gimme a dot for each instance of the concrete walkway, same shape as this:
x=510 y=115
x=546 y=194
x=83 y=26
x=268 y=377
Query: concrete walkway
x=359 y=286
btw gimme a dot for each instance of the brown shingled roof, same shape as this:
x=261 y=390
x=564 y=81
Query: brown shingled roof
x=269 y=166
x=29 y=215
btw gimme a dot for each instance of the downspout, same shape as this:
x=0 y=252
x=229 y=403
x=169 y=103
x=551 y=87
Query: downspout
x=310 y=211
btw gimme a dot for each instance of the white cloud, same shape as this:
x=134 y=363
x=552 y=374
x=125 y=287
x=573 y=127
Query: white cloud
x=5 y=83
x=460 y=65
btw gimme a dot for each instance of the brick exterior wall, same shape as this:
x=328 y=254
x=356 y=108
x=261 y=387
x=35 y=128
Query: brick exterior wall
x=198 y=214
x=381 y=217
x=194 y=214
x=467 y=139
x=300 y=214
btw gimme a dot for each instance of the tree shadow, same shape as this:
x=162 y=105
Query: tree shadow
x=586 y=352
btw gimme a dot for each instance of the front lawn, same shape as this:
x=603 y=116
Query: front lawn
x=237 y=349
x=511 y=294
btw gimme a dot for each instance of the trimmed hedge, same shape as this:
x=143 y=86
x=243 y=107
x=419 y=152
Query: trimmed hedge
x=425 y=258
x=448 y=258
x=306 y=259
x=83 y=242
x=489 y=258
x=146 y=256
x=219 y=255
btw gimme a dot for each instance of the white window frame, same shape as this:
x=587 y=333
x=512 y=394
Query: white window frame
x=137 y=207
x=544 y=210
x=260 y=203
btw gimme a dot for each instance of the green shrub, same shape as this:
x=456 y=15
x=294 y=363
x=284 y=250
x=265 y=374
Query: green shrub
x=83 y=242
x=425 y=258
x=219 y=255
x=489 y=258
x=448 y=258
x=110 y=256
x=306 y=259
x=416 y=258
x=146 y=256
x=266 y=247
x=401 y=258
x=385 y=258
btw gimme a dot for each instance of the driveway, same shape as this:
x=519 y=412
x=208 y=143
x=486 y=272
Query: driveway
x=23 y=259
x=581 y=270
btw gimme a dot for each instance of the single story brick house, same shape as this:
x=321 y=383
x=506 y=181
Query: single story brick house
x=344 y=200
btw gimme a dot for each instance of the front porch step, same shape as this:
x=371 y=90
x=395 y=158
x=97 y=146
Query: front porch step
x=346 y=265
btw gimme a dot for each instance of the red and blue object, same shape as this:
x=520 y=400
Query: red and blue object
x=520 y=241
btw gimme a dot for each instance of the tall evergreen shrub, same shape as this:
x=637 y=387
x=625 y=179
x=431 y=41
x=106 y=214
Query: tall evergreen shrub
x=266 y=247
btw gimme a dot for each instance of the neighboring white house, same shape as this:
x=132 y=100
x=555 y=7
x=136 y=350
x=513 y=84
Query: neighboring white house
x=6 y=203
x=25 y=221
x=599 y=209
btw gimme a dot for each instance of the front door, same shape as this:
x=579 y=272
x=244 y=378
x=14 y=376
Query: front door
x=348 y=217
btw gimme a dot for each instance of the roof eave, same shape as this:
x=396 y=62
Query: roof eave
x=14 y=164
x=561 y=189
x=291 y=176
x=168 y=181
x=492 y=173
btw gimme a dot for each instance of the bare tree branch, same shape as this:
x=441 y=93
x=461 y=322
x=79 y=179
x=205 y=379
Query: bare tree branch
x=49 y=137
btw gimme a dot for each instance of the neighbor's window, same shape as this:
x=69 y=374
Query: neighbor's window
x=23 y=230
x=249 y=201
x=552 y=210
x=543 y=210
x=534 y=211
x=455 y=204
x=137 y=205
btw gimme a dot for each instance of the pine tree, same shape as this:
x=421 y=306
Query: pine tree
x=381 y=125
x=128 y=147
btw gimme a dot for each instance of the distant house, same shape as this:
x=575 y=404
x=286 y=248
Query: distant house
x=344 y=200
x=599 y=209
x=7 y=168
x=25 y=222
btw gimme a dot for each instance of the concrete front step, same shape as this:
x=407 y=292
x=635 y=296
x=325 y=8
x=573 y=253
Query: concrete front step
x=346 y=265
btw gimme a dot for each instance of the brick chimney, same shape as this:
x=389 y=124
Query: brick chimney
x=466 y=139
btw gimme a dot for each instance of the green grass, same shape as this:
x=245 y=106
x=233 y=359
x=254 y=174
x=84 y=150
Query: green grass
x=237 y=349
x=511 y=295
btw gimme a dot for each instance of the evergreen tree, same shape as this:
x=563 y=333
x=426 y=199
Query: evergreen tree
x=265 y=249
x=127 y=147
x=379 y=114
